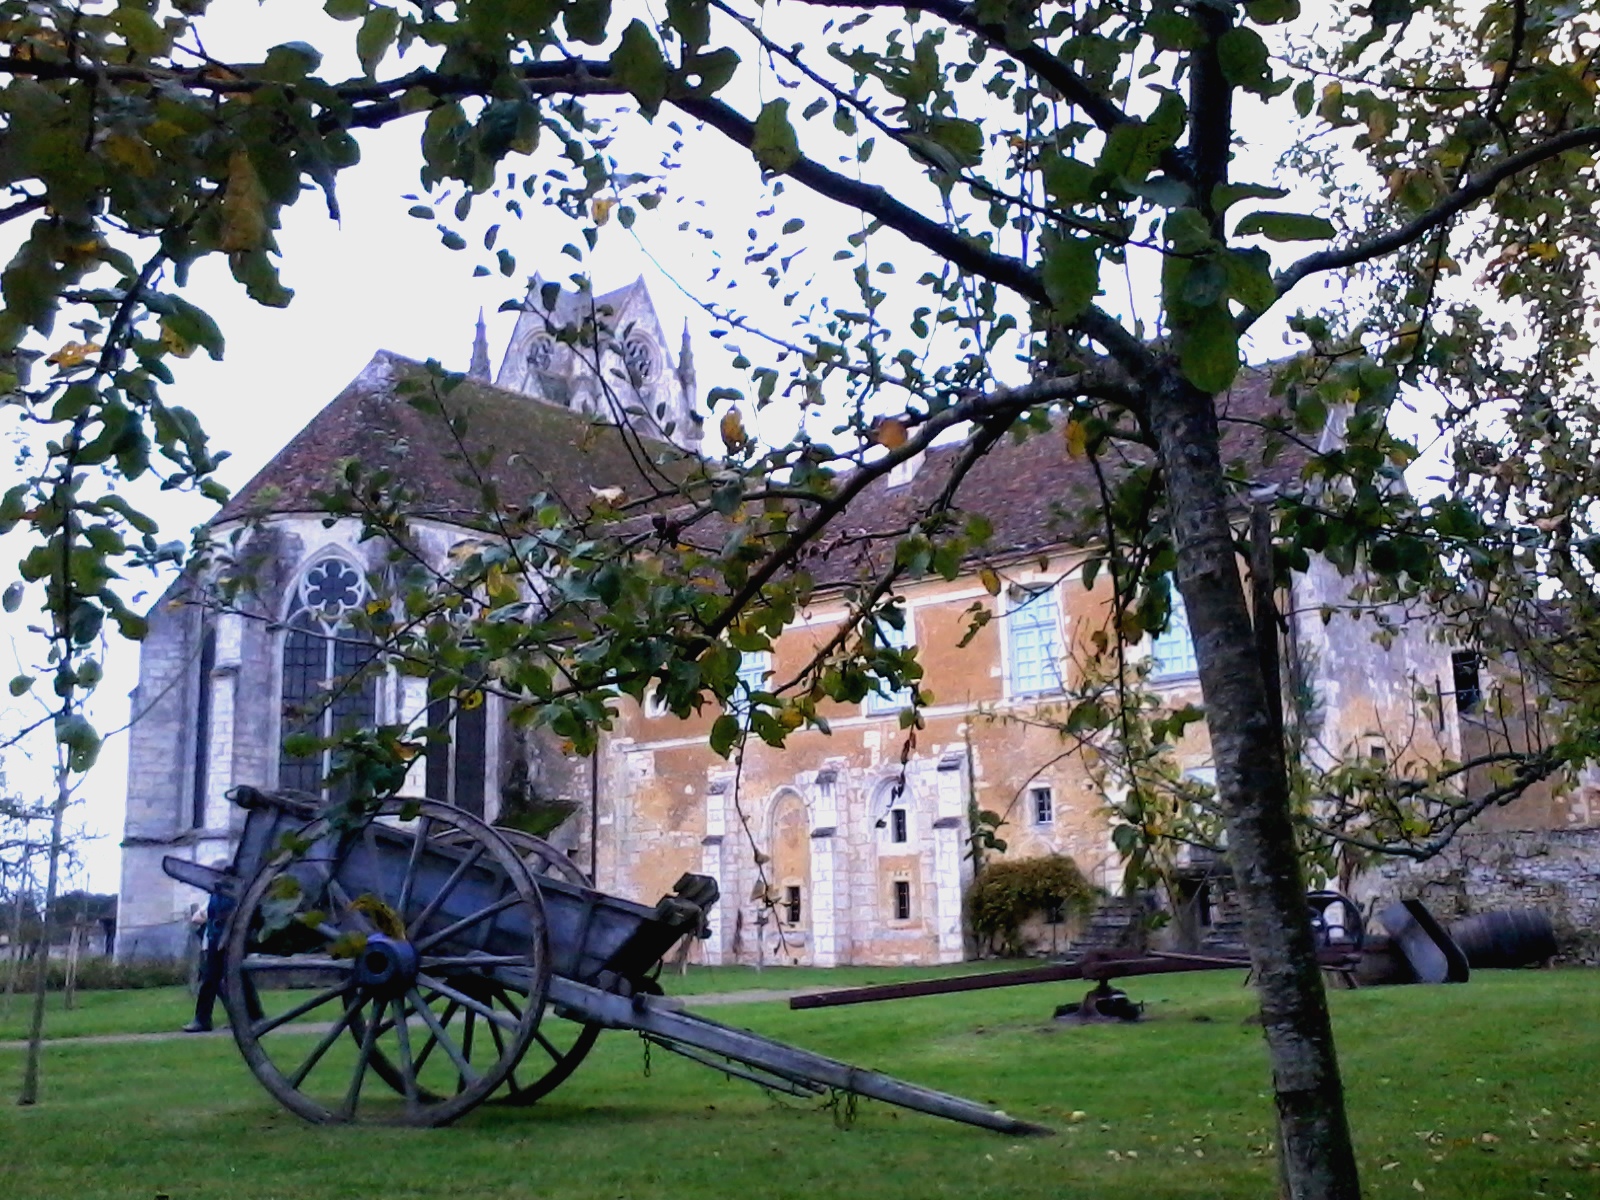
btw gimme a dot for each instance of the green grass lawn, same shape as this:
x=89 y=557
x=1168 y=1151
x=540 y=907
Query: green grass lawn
x=1480 y=1091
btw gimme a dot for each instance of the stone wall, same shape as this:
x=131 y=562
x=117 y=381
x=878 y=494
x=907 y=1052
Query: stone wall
x=1557 y=871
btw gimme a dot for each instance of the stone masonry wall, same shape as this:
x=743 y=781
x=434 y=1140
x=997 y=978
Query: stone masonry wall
x=1557 y=871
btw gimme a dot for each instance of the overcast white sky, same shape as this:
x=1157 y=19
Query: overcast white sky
x=380 y=279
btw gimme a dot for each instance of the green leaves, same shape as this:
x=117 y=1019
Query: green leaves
x=1208 y=351
x=377 y=34
x=1285 y=227
x=1243 y=57
x=775 y=145
x=1071 y=274
x=81 y=740
x=640 y=67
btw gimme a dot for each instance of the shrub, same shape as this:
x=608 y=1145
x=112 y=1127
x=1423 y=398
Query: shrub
x=1007 y=893
x=96 y=973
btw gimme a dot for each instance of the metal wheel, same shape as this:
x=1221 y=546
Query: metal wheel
x=560 y=1046
x=409 y=939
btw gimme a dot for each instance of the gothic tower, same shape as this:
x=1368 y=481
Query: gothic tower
x=605 y=356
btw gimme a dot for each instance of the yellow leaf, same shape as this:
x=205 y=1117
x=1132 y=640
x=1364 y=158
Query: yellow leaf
x=601 y=209
x=174 y=343
x=990 y=578
x=1544 y=251
x=244 y=215
x=889 y=432
x=73 y=354
x=732 y=429
x=384 y=918
x=130 y=152
x=470 y=700
x=1077 y=439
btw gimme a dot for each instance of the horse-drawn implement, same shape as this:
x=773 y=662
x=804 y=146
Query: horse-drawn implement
x=410 y=963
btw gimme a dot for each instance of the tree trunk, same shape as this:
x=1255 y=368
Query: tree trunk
x=1317 y=1158
x=58 y=812
x=69 y=987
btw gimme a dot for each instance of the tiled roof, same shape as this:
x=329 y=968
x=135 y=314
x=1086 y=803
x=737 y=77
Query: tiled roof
x=1033 y=492
x=531 y=447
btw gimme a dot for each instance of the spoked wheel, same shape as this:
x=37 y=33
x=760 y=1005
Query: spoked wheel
x=559 y=1045
x=426 y=954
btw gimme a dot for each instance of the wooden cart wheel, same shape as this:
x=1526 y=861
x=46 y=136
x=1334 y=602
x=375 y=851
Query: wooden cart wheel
x=409 y=941
x=560 y=1045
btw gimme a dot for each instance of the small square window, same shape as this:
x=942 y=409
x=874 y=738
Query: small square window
x=791 y=904
x=1043 y=803
x=902 y=900
x=899 y=829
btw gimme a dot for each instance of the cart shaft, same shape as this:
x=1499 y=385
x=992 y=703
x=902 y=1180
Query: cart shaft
x=657 y=1017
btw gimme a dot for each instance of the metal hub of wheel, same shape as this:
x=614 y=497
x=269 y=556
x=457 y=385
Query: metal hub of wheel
x=379 y=952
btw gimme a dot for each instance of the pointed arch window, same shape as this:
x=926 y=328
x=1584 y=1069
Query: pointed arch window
x=323 y=693
x=199 y=783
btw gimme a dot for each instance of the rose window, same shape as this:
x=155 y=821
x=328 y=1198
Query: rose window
x=639 y=357
x=332 y=587
x=542 y=353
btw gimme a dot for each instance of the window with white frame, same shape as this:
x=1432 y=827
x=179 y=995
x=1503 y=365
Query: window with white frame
x=323 y=691
x=1033 y=622
x=755 y=666
x=1172 y=650
x=882 y=700
x=1042 y=804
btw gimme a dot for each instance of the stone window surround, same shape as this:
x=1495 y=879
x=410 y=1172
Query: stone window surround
x=884 y=803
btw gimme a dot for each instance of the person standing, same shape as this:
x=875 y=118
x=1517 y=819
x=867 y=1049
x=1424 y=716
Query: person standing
x=213 y=943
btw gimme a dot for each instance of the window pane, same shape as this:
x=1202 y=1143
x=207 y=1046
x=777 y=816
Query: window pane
x=1044 y=806
x=897 y=825
x=883 y=700
x=1172 y=651
x=202 y=729
x=304 y=664
x=470 y=740
x=1035 y=642
x=754 y=667
x=902 y=900
x=437 y=770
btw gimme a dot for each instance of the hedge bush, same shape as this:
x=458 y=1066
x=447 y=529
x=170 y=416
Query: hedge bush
x=1008 y=892
x=96 y=973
